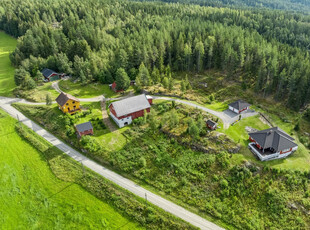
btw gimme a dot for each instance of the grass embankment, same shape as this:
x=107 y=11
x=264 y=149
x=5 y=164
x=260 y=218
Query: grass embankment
x=7 y=45
x=33 y=196
x=70 y=174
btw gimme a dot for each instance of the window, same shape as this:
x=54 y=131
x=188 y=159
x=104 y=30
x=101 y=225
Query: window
x=67 y=104
x=73 y=102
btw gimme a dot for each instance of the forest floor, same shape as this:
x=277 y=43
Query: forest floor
x=7 y=45
x=32 y=196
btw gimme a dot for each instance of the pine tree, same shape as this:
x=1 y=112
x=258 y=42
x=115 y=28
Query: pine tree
x=143 y=77
x=121 y=79
x=183 y=86
x=165 y=82
x=48 y=99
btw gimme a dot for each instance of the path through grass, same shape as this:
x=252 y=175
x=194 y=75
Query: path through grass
x=7 y=45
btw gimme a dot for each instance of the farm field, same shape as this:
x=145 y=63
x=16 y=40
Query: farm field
x=7 y=45
x=32 y=197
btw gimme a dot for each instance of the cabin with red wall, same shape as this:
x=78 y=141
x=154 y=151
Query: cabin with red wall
x=113 y=87
x=123 y=112
x=84 y=129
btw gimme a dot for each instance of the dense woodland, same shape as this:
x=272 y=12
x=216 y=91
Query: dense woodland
x=93 y=40
x=291 y=5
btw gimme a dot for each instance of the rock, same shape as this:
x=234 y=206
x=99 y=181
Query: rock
x=250 y=129
x=307 y=134
x=292 y=206
x=248 y=164
x=234 y=150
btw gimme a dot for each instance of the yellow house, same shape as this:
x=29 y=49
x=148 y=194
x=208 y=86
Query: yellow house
x=67 y=103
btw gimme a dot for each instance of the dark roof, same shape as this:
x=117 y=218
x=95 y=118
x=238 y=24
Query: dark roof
x=84 y=126
x=131 y=105
x=239 y=105
x=64 y=97
x=274 y=138
x=211 y=123
x=48 y=72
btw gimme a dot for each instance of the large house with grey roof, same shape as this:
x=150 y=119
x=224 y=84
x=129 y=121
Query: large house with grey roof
x=271 y=144
x=239 y=106
x=123 y=112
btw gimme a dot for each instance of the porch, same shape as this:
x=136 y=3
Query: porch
x=264 y=155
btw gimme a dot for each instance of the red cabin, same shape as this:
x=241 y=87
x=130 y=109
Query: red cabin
x=113 y=87
x=84 y=129
x=211 y=124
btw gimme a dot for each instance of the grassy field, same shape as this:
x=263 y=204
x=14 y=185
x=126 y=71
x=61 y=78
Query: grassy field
x=7 y=45
x=39 y=94
x=86 y=91
x=32 y=197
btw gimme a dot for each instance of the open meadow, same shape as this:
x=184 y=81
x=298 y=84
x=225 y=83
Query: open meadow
x=33 y=197
x=7 y=45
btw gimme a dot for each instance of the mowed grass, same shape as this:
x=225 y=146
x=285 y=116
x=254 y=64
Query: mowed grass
x=300 y=160
x=31 y=197
x=7 y=45
x=238 y=132
x=86 y=91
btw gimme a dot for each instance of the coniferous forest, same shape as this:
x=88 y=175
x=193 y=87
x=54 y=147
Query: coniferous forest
x=91 y=40
x=239 y=49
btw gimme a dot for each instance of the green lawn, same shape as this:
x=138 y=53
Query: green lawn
x=217 y=106
x=86 y=91
x=7 y=45
x=300 y=160
x=31 y=197
x=237 y=131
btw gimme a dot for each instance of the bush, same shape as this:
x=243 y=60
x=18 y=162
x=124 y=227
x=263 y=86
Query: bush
x=139 y=121
x=90 y=144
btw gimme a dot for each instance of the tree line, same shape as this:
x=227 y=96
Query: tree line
x=105 y=40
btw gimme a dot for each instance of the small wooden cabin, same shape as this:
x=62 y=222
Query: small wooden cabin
x=114 y=88
x=51 y=75
x=84 y=129
x=211 y=124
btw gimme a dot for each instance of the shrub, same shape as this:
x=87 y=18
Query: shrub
x=90 y=144
x=139 y=121
x=224 y=183
x=142 y=162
